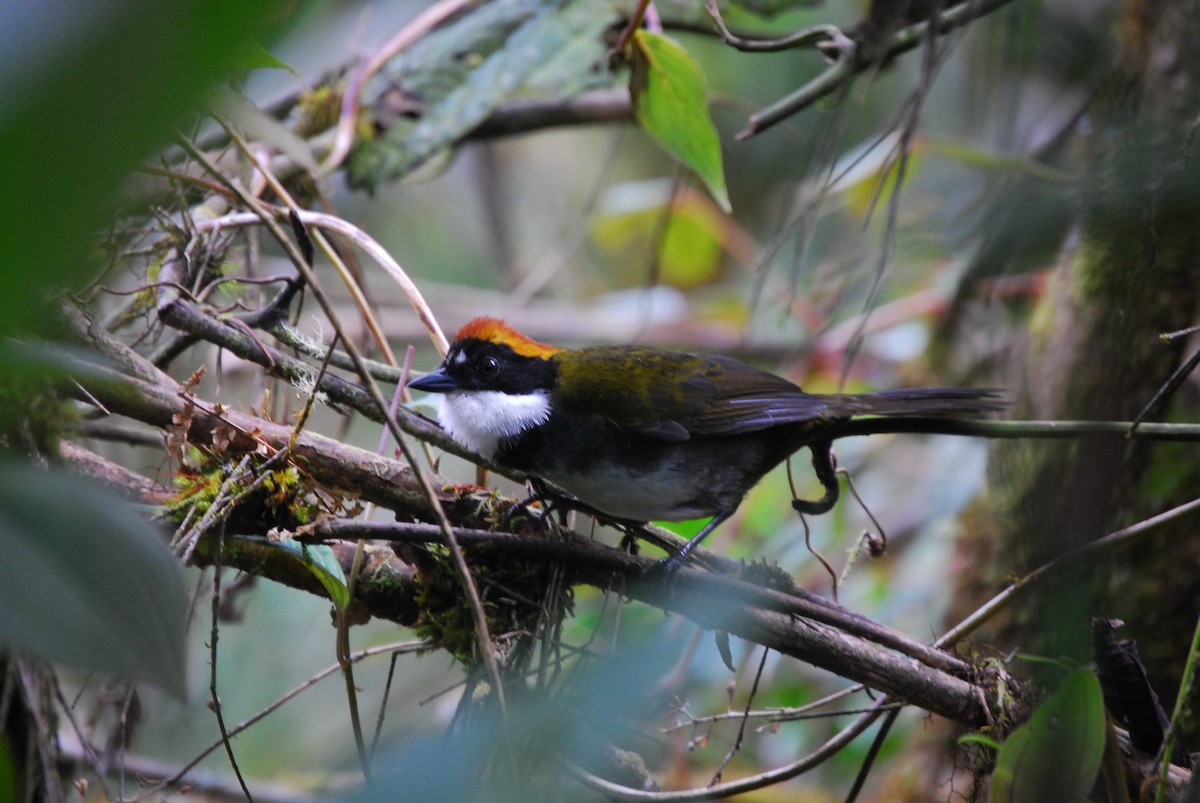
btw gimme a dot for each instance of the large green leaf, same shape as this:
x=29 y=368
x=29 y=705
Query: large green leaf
x=462 y=72
x=86 y=581
x=88 y=89
x=670 y=99
x=1054 y=757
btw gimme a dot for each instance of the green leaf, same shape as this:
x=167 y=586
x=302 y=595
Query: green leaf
x=979 y=739
x=464 y=70
x=689 y=235
x=324 y=565
x=86 y=581
x=257 y=57
x=670 y=100
x=1054 y=757
x=81 y=104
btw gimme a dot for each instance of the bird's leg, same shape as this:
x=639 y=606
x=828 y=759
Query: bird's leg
x=825 y=465
x=671 y=563
x=540 y=493
x=629 y=542
x=555 y=501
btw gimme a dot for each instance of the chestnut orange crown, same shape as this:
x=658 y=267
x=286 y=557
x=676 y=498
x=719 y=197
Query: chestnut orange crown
x=494 y=330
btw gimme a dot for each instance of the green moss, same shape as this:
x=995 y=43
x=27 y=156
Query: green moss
x=194 y=491
x=768 y=575
x=33 y=417
x=283 y=499
x=513 y=591
x=318 y=110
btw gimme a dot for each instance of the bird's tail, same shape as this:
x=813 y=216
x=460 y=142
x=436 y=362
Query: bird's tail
x=917 y=402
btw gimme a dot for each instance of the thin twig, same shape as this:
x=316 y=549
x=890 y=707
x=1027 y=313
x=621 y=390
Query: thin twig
x=1170 y=386
x=816 y=553
x=89 y=752
x=903 y=149
x=355 y=235
x=772 y=714
x=872 y=754
x=741 y=734
x=343 y=656
x=383 y=703
x=1008 y=430
x=213 y=636
x=832 y=747
x=343 y=271
x=808 y=36
x=849 y=65
x=342 y=633
x=635 y=22
x=1186 y=691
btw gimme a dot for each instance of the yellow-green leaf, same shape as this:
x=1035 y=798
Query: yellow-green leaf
x=670 y=100
x=689 y=236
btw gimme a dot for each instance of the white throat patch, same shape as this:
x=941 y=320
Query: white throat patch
x=480 y=419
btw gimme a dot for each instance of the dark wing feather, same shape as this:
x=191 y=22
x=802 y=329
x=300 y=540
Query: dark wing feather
x=746 y=414
x=706 y=394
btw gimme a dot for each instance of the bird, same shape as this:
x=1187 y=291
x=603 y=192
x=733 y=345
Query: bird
x=635 y=433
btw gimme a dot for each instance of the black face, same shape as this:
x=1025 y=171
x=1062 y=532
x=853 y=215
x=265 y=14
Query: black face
x=481 y=365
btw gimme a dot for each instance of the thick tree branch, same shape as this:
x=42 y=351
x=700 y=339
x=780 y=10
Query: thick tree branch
x=344 y=470
x=794 y=625
x=525 y=117
x=600 y=566
x=126 y=483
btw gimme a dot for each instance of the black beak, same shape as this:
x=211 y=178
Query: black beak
x=435 y=382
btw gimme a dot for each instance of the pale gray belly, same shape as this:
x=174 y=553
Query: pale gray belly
x=669 y=494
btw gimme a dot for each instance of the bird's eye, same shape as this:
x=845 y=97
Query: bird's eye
x=489 y=366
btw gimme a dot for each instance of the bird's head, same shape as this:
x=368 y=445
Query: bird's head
x=497 y=384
